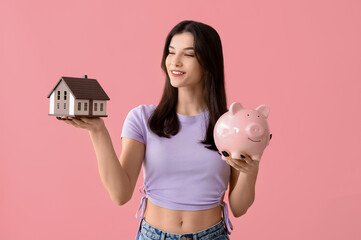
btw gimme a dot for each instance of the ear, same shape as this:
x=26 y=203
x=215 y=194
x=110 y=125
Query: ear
x=234 y=108
x=263 y=109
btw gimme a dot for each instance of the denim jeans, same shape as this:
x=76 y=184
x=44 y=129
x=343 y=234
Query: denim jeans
x=216 y=232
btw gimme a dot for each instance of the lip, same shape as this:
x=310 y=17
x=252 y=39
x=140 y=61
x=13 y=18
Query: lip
x=254 y=140
x=176 y=75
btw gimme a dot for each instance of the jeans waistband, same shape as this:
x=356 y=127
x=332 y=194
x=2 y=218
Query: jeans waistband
x=206 y=234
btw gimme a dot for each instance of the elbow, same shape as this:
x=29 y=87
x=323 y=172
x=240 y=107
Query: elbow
x=119 y=200
x=239 y=213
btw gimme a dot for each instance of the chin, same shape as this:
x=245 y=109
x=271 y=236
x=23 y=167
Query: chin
x=174 y=84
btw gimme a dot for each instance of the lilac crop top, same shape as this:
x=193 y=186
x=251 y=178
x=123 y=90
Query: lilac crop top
x=179 y=172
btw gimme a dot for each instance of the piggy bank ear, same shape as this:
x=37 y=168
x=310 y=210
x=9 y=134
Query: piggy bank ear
x=263 y=109
x=235 y=107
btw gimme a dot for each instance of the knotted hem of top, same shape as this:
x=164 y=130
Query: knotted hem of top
x=143 y=206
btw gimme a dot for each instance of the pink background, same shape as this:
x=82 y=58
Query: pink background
x=302 y=58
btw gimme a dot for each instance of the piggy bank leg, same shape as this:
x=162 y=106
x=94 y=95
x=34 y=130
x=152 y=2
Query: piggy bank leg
x=236 y=155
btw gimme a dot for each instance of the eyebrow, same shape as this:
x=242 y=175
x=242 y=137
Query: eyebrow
x=187 y=48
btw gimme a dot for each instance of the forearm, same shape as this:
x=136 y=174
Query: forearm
x=243 y=193
x=111 y=172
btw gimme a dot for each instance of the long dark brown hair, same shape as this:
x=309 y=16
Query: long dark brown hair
x=208 y=49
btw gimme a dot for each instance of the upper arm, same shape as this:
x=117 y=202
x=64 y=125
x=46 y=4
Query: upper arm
x=131 y=159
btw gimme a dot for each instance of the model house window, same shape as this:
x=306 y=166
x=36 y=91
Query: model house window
x=95 y=106
x=79 y=106
x=64 y=105
x=58 y=95
x=65 y=95
x=58 y=105
x=85 y=106
x=101 y=107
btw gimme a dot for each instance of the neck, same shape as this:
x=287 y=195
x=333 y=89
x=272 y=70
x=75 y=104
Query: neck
x=190 y=101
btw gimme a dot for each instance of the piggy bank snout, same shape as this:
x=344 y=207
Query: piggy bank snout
x=255 y=130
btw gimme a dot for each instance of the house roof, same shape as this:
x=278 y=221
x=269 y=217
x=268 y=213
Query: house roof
x=83 y=88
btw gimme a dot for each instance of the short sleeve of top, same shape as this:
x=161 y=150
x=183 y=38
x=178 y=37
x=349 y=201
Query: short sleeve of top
x=134 y=125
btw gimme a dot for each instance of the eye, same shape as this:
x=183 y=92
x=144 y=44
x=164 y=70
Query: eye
x=171 y=53
x=247 y=115
x=189 y=55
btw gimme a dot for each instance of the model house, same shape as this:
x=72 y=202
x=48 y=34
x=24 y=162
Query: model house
x=78 y=97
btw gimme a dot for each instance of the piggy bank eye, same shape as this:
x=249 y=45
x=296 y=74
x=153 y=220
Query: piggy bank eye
x=258 y=116
x=247 y=114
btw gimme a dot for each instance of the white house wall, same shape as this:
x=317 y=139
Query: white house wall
x=71 y=104
x=98 y=112
x=52 y=104
x=61 y=106
x=82 y=107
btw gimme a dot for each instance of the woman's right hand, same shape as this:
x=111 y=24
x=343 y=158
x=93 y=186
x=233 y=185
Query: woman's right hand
x=90 y=124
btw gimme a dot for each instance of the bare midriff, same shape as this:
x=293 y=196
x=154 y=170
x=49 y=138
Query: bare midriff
x=181 y=222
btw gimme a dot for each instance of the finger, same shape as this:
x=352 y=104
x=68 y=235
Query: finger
x=77 y=120
x=246 y=158
x=86 y=120
x=61 y=118
x=71 y=122
x=232 y=164
x=79 y=123
x=239 y=163
x=225 y=155
x=68 y=122
x=65 y=119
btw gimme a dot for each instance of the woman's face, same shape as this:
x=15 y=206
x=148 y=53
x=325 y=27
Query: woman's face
x=182 y=65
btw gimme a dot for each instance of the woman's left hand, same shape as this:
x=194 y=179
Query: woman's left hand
x=246 y=164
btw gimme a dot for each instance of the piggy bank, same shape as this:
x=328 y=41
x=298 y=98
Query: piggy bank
x=242 y=130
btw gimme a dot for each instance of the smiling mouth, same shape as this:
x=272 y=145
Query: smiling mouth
x=254 y=140
x=176 y=73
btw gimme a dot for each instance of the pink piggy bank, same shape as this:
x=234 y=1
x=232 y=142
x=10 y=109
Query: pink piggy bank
x=242 y=130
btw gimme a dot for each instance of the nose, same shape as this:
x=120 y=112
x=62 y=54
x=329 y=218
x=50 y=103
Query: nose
x=176 y=61
x=255 y=130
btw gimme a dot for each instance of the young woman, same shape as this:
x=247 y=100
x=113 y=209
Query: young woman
x=185 y=178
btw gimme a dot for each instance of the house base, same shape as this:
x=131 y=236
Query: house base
x=77 y=116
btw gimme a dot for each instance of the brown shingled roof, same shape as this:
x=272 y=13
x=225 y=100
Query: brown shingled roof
x=83 y=88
